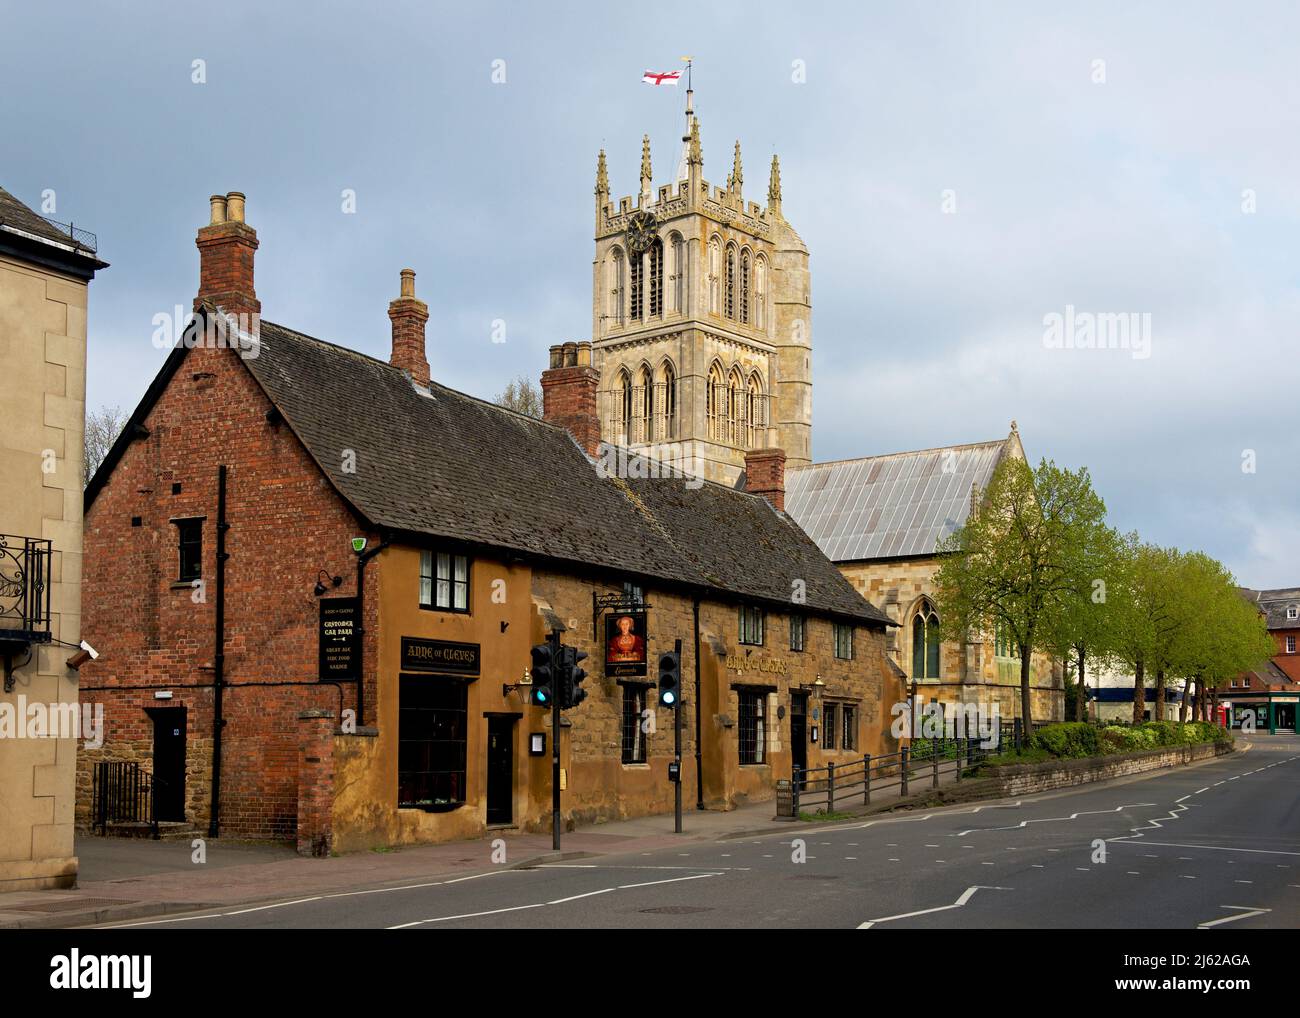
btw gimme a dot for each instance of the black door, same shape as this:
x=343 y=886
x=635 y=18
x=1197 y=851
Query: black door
x=799 y=729
x=501 y=771
x=168 y=762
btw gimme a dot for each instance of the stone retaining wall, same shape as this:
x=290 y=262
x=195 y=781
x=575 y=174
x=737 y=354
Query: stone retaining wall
x=1021 y=779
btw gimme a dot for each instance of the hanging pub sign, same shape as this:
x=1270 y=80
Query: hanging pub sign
x=340 y=648
x=625 y=643
x=419 y=655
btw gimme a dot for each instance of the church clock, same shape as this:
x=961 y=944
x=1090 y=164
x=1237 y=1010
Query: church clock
x=640 y=231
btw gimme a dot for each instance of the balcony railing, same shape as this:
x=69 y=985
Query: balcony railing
x=24 y=589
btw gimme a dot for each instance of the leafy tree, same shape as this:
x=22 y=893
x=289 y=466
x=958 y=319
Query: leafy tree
x=1082 y=628
x=102 y=428
x=1019 y=558
x=521 y=396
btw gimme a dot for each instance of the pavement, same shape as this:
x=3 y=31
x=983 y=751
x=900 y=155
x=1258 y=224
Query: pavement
x=1224 y=834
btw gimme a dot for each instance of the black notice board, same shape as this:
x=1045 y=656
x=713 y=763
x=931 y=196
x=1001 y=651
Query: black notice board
x=340 y=644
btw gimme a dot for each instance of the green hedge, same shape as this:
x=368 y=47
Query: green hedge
x=1077 y=739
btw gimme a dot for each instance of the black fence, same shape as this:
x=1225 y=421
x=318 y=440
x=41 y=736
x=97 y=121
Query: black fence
x=917 y=766
x=123 y=793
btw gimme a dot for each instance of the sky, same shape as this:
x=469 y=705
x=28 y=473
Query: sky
x=960 y=173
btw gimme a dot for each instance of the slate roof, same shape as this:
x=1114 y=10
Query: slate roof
x=14 y=213
x=892 y=506
x=1274 y=605
x=448 y=465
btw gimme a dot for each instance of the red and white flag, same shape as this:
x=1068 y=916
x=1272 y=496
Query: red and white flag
x=661 y=77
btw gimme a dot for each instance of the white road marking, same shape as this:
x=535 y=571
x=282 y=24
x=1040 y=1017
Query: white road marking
x=1048 y=820
x=1213 y=848
x=966 y=896
x=1245 y=910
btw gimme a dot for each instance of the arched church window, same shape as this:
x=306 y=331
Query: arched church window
x=655 y=256
x=616 y=285
x=760 y=289
x=729 y=292
x=925 y=643
x=744 y=287
x=636 y=280
x=755 y=411
x=735 y=409
x=643 y=399
x=679 y=273
x=716 y=399
x=715 y=262
x=669 y=401
x=623 y=390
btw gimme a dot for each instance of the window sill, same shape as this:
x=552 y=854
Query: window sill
x=449 y=807
x=184 y=584
x=642 y=766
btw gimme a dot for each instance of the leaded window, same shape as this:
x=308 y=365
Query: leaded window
x=444 y=581
x=753 y=726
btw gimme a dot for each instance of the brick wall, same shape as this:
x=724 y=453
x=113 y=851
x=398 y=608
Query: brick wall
x=152 y=632
x=1023 y=779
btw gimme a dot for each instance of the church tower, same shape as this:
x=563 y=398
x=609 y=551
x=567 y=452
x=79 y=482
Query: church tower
x=701 y=318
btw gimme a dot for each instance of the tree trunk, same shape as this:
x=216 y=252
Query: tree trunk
x=1182 y=707
x=1078 y=699
x=1159 y=713
x=1026 y=708
x=1139 y=691
x=1193 y=689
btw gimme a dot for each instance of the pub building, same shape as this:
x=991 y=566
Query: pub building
x=314 y=579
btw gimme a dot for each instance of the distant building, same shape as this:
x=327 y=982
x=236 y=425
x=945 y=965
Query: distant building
x=1273 y=691
x=1110 y=696
x=45 y=274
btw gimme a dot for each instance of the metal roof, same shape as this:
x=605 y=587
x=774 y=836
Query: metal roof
x=902 y=504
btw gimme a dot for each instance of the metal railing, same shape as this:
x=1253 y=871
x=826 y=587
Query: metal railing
x=25 y=588
x=123 y=792
x=80 y=237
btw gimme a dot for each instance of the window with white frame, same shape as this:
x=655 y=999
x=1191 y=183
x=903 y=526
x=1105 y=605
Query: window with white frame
x=751 y=625
x=1290 y=644
x=843 y=642
x=444 y=581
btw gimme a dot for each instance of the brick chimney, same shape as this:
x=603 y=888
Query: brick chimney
x=569 y=394
x=765 y=475
x=409 y=316
x=226 y=248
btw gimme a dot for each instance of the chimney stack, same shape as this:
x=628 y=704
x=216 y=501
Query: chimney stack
x=409 y=316
x=765 y=475
x=226 y=248
x=569 y=394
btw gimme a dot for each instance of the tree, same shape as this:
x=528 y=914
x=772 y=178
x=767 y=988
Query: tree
x=521 y=396
x=1226 y=634
x=102 y=428
x=1147 y=616
x=1019 y=558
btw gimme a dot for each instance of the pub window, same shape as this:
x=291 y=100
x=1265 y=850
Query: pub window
x=189 y=547
x=828 y=726
x=849 y=736
x=632 y=593
x=1290 y=644
x=431 y=723
x=633 y=730
x=844 y=642
x=798 y=631
x=444 y=581
x=751 y=625
x=753 y=730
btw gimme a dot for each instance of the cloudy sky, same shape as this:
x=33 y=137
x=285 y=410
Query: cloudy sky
x=958 y=171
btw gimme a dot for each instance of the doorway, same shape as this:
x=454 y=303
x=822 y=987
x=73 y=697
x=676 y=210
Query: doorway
x=798 y=731
x=169 y=724
x=501 y=770
x=1284 y=717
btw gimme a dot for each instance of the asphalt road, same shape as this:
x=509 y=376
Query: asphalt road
x=1214 y=845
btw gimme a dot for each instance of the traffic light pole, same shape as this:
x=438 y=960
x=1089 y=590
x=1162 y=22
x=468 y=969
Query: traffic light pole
x=554 y=640
x=677 y=755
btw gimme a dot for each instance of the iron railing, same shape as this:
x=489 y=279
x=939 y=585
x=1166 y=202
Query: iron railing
x=80 y=237
x=123 y=792
x=25 y=588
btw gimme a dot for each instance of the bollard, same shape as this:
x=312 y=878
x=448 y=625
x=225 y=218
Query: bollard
x=959 y=742
x=866 y=780
x=903 y=757
x=830 y=788
x=934 y=755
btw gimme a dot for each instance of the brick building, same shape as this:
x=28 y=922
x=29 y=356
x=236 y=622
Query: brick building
x=1273 y=691
x=274 y=681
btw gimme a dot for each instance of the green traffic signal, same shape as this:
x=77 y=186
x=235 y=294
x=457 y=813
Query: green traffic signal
x=670 y=678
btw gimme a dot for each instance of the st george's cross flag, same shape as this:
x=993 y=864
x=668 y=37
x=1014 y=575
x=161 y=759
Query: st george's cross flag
x=661 y=77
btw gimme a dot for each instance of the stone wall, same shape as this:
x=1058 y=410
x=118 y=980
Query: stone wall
x=1025 y=779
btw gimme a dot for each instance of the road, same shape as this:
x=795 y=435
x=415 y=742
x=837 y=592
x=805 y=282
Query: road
x=1215 y=845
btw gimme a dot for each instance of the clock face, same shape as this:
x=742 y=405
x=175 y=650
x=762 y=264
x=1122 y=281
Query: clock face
x=640 y=231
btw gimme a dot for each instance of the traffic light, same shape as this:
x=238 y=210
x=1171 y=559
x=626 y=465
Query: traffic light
x=574 y=676
x=543 y=674
x=670 y=678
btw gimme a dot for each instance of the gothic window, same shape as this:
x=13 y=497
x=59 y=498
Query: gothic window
x=679 y=274
x=925 y=643
x=760 y=286
x=656 y=258
x=643 y=397
x=668 y=402
x=716 y=398
x=755 y=411
x=729 y=295
x=636 y=265
x=616 y=284
x=744 y=287
x=736 y=420
x=623 y=390
x=715 y=269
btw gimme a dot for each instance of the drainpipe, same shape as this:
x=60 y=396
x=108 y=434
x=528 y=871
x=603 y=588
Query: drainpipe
x=362 y=559
x=699 y=756
x=219 y=654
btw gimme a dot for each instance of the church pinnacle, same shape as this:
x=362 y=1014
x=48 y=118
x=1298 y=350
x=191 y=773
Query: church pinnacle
x=735 y=182
x=774 y=187
x=602 y=175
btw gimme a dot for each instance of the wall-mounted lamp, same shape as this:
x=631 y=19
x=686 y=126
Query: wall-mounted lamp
x=818 y=687
x=526 y=682
x=320 y=587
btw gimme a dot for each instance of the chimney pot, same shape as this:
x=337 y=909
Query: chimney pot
x=235 y=206
x=218 y=203
x=409 y=315
x=227 y=247
x=408 y=282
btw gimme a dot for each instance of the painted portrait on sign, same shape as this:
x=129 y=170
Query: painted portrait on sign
x=625 y=644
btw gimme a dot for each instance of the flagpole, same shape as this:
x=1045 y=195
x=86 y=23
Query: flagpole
x=689 y=94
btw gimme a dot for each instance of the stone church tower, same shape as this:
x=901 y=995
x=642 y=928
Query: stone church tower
x=701 y=319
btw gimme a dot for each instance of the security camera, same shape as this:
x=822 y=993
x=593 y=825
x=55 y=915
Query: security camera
x=94 y=654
